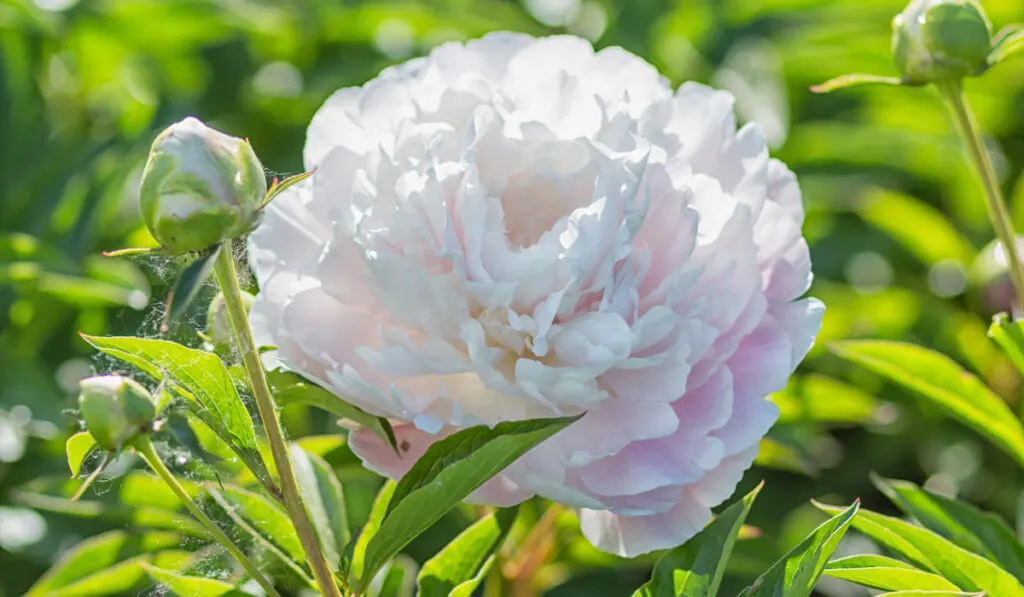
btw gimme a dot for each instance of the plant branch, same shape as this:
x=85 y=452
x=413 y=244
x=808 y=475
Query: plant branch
x=970 y=134
x=226 y=277
x=144 y=447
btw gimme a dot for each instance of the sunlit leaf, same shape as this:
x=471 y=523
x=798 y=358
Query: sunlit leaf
x=980 y=532
x=824 y=400
x=78 y=447
x=380 y=507
x=797 y=572
x=1009 y=335
x=695 y=568
x=325 y=502
x=110 y=560
x=190 y=586
x=266 y=524
x=774 y=454
x=945 y=384
x=966 y=570
x=460 y=567
x=886 y=574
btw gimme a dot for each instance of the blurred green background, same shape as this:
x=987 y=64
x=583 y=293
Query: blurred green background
x=895 y=220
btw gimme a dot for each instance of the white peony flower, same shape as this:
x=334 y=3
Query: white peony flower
x=517 y=228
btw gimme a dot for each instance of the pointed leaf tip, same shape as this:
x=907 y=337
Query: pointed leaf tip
x=851 y=80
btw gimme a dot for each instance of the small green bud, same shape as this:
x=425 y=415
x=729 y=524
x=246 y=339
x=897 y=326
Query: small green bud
x=218 y=324
x=941 y=40
x=200 y=187
x=116 y=409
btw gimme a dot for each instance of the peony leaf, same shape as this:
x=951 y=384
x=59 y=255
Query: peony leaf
x=980 y=532
x=102 y=565
x=774 y=454
x=324 y=501
x=923 y=230
x=460 y=567
x=853 y=80
x=292 y=388
x=886 y=574
x=451 y=469
x=397 y=578
x=695 y=568
x=1007 y=47
x=145 y=517
x=266 y=523
x=202 y=379
x=78 y=447
x=930 y=551
x=280 y=186
x=380 y=506
x=796 y=573
x=824 y=400
x=1009 y=335
x=188 y=284
x=190 y=586
x=944 y=383
x=927 y=593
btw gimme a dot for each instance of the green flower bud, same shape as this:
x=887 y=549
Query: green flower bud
x=116 y=409
x=218 y=324
x=941 y=40
x=200 y=187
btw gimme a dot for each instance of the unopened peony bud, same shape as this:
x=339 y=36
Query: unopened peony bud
x=116 y=409
x=218 y=324
x=200 y=187
x=941 y=40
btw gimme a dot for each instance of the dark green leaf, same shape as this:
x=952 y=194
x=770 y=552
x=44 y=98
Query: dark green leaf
x=266 y=523
x=325 y=502
x=461 y=565
x=451 y=469
x=945 y=384
x=188 y=284
x=887 y=574
x=966 y=570
x=980 y=532
x=695 y=568
x=797 y=572
x=292 y=388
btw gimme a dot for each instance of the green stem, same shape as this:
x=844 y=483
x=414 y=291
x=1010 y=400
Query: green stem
x=226 y=277
x=970 y=133
x=144 y=447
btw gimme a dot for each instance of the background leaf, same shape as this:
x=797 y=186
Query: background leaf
x=460 y=567
x=940 y=380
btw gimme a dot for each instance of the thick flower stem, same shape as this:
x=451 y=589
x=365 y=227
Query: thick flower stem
x=144 y=447
x=226 y=277
x=970 y=133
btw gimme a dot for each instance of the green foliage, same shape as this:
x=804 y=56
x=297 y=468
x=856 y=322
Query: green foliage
x=894 y=222
x=696 y=567
x=450 y=470
x=944 y=383
x=322 y=495
x=797 y=572
x=190 y=586
x=458 y=569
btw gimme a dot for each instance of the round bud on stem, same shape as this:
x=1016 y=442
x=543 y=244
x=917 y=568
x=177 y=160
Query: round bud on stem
x=200 y=187
x=116 y=409
x=941 y=40
x=218 y=324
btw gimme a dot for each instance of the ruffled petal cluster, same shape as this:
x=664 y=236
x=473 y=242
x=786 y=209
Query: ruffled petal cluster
x=516 y=228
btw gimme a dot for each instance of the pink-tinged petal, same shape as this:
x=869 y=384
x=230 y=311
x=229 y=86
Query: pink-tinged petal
x=631 y=536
